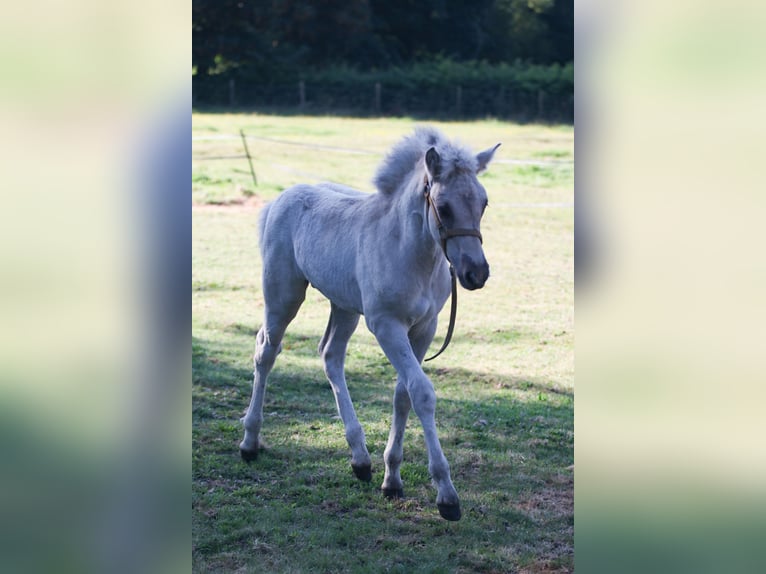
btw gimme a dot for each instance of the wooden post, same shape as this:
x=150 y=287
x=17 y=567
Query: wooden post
x=540 y=100
x=459 y=100
x=249 y=160
x=377 y=98
x=232 y=93
x=302 y=94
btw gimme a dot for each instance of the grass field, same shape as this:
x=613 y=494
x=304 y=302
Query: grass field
x=505 y=386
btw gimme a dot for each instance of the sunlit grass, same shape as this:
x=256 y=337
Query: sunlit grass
x=278 y=164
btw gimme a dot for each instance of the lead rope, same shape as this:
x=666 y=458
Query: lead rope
x=453 y=276
x=452 y=314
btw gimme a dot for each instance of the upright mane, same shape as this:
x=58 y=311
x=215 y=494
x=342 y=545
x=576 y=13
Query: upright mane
x=405 y=157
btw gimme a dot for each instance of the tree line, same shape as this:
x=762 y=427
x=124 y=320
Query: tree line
x=273 y=42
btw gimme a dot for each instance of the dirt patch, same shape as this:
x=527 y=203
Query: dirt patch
x=553 y=501
x=252 y=203
x=545 y=567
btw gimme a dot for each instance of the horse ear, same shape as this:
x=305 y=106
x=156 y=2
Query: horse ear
x=433 y=163
x=483 y=158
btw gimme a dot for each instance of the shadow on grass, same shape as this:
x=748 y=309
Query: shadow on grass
x=298 y=389
x=509 y=442
x=445 y=375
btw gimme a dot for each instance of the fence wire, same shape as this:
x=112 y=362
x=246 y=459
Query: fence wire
x=351 y=151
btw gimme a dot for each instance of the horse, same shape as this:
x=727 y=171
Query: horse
x=388 y=256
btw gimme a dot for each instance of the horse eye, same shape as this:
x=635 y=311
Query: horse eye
x=445 y=211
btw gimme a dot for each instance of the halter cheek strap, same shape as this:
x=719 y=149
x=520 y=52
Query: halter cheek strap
x=445 y=234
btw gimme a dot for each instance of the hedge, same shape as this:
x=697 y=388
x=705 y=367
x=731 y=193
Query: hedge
x=441 y=88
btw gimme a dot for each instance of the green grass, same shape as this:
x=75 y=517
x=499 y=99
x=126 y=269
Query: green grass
x=548 y=176
x=505 y=385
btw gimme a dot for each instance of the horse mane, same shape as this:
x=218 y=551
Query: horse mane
x=406 y=156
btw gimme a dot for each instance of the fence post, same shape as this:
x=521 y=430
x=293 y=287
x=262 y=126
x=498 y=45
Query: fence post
x=232 y=93
x=377 y=98
x=249 y=157
x=540 y=102
x=301 y=94
x=459 y=100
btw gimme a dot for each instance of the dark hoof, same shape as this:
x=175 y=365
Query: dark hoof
x=449 y=511
x=248 y=455
x=393 y=492
x=363 y=472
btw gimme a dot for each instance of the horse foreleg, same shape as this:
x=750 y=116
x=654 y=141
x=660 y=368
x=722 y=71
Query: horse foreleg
x=341 y=326
x=393 y=339
x=392 y=481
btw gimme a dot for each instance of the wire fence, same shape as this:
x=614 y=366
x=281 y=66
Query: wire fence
x=376 y=99
x=200 y=155
x=352 y=151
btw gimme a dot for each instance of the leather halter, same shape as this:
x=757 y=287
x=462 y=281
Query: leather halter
x=444 y=234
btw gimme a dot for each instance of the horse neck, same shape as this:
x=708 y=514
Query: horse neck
x=412 y=217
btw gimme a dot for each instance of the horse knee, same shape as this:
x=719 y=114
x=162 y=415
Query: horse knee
x=265 y=357
x=265 y=350
x=423 y=397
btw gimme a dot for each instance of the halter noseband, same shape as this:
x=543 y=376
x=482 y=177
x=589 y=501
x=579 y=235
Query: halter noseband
x=445 y=234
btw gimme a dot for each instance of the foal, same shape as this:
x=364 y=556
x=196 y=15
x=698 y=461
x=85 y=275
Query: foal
x=386 y=256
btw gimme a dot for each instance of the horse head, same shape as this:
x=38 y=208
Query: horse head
x=457 y=201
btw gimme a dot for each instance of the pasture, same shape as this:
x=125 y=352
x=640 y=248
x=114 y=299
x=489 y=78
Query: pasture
x=505 y=386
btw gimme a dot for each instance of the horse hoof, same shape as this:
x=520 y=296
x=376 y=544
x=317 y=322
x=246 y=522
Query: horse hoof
x=248 y=455
x=393 y=493
x=362 y=471
x=449 y=511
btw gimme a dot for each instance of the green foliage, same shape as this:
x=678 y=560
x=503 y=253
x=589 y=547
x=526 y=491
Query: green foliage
x=418 y=51
x=445 y=73
x=266 y=38
x=426 y=88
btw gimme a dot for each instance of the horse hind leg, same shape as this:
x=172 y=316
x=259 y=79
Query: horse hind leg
x=332 y=348
x=282 y=304
x=393 y=455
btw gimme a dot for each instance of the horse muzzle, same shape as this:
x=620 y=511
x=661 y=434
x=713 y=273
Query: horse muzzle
x=472 y=275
